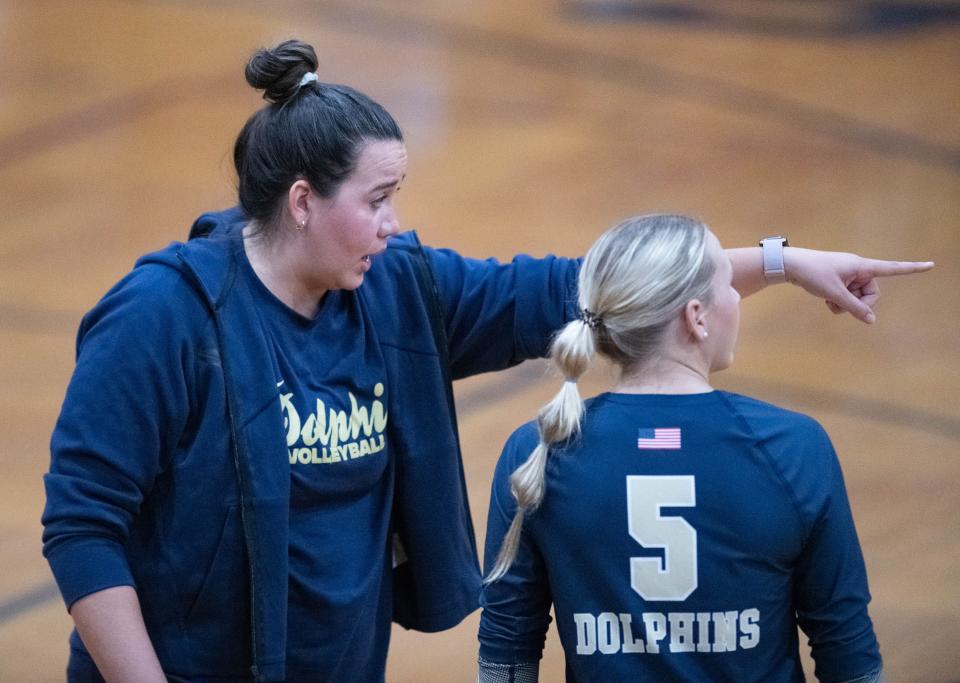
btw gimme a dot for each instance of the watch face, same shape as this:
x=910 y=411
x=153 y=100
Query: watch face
x=774 y=238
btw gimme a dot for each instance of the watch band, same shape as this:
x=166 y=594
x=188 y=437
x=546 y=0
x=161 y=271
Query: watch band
x=773 y=269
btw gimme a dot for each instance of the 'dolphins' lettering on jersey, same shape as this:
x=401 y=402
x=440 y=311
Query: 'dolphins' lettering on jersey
x=653 y=632
x=331 y=435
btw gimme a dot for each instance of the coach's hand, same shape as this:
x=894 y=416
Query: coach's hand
x=847 y=282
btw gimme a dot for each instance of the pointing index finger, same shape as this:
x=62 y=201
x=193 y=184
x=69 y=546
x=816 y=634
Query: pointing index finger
x=880 y=268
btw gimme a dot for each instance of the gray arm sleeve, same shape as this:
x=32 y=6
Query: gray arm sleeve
x=875 y=677
x=525 y=672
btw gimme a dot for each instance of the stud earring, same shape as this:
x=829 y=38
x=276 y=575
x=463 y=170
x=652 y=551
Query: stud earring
x=704 y=335
x=301 y=225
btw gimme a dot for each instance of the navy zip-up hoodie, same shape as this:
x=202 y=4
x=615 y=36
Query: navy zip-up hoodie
x=169 y=470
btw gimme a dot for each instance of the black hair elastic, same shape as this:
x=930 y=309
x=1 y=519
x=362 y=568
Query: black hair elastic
x=590 y=319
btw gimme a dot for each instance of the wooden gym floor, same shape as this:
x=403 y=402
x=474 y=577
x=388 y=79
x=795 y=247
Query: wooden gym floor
x=531 y=126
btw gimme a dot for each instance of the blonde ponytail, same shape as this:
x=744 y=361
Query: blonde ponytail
x=633 y=282
x=558 y=422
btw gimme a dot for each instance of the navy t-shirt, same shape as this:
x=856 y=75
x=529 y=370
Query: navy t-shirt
x=331 y=382
x=683 y=537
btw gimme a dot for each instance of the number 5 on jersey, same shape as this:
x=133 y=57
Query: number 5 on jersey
x=674 y=577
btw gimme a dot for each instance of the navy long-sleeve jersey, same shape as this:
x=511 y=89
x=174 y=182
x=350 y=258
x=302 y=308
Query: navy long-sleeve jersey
x=683 y=538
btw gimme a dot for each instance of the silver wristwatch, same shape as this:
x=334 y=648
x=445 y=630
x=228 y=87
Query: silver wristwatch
x=773 y=270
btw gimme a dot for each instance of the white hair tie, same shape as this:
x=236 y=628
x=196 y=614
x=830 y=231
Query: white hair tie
x=308 y=77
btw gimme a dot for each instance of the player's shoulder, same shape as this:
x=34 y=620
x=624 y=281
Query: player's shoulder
x=516 y=449
x=766 y=418
x=521 y=442
x=795 y=447
x=792 y=443
x=525 y=438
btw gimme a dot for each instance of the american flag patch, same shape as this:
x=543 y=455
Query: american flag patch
x=659 y=439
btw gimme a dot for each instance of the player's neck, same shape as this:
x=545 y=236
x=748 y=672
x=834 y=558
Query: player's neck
x=664 y=376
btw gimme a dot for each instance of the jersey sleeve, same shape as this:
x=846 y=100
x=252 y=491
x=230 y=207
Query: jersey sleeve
x=499 y=314
x=126 y=405
x=516 y=608
x=831 y=593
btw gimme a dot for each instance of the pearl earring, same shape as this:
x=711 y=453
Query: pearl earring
x=705 y=335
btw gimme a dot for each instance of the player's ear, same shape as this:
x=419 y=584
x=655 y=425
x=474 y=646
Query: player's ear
x=694 y=322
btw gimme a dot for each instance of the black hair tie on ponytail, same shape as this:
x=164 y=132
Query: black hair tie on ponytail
x=590 y=319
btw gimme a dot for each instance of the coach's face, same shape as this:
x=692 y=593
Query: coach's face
x=722 y=315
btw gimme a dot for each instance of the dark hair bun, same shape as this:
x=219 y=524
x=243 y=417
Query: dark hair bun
x=277 y=71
